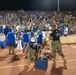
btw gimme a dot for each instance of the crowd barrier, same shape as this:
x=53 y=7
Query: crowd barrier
x=64 y=40
x=4 y=44
x=68 y=39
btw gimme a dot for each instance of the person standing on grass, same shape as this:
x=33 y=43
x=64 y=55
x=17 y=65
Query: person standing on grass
x=11 y=40
x=56 y=44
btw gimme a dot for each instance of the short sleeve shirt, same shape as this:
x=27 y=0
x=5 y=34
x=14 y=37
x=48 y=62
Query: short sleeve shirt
x=55 y=34
x=26 y=37
x=11 y=37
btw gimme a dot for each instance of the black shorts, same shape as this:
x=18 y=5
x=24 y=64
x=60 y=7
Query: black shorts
x=12 y=44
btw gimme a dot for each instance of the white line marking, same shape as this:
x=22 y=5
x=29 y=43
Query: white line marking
x=66 y=60
x=70 y=53
x=14 y=66
x=70 y=46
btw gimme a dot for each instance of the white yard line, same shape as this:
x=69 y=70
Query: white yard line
x=14 y=66
x=70 y=53
x=71 y=46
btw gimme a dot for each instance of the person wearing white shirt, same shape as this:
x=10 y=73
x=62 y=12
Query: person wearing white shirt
x=65 y=30
x=18 y=27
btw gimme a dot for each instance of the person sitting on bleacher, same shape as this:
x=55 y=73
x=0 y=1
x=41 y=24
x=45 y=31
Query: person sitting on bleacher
x=65 y=30
x=6 y=30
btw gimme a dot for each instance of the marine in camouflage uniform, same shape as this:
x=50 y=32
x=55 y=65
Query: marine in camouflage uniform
x=56 y=44
x=56 y=47
x=31 y=53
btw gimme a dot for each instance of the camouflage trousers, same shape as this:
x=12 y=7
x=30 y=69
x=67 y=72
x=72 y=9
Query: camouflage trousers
x=31 y=53
x=56 y=47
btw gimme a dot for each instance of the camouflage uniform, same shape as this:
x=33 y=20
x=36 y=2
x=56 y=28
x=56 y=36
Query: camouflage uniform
x=31 y=53
x=56 y=44
x=56 y=47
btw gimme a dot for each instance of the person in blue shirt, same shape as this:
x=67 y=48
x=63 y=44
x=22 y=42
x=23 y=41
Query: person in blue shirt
x=39 y=36
x=29 y=52
x=11 y=40
x=60 y=28
x=31 y=33
x=6 y=30
x=39 y=40
x=26 y=40
x=1 y=29
x=35 y=29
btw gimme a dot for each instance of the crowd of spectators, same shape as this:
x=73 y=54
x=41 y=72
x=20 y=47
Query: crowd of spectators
x=43 y=19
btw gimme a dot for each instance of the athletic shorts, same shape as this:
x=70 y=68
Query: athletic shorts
x=12 y=44
x=25 y=44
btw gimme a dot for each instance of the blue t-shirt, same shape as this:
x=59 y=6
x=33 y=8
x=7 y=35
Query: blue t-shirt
x=32 y=34
x=35 y=29
x=11 y=37
x=26 y=37
x=40 y=35
x=6 y=30
x=1 y=29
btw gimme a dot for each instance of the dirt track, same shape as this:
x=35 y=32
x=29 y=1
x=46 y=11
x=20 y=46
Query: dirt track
x=10 y=66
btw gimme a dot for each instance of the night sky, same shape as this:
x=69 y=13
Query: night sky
x=37 y=5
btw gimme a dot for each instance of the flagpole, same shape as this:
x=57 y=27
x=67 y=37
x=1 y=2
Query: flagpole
x=58 y=6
